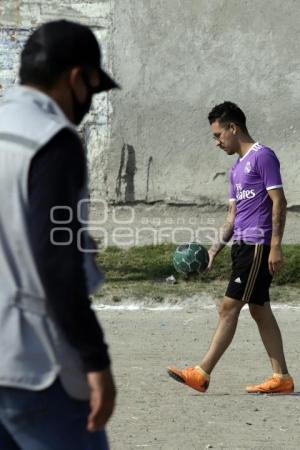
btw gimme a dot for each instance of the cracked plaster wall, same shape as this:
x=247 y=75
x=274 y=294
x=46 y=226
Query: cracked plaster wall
x=175 y=60
x=18 y=18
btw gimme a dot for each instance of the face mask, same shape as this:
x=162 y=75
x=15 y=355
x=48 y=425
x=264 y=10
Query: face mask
x=81 y=109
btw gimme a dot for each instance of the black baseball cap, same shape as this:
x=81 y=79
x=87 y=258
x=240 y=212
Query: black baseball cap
x=63 y=44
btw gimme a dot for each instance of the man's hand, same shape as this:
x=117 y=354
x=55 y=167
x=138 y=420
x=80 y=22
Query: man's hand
x=275 y=259
x=211 y=256
x=102 y=398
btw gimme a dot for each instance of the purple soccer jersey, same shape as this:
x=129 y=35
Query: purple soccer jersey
x=252 y=176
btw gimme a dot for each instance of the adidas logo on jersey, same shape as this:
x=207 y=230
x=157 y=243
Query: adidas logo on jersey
x=238 y=280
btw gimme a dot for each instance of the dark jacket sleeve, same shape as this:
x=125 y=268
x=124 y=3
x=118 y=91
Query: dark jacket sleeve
x=56 y=176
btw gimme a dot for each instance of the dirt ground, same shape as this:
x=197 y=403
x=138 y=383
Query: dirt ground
x=155 y=412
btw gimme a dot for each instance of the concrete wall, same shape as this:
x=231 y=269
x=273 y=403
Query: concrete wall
x=175 y=60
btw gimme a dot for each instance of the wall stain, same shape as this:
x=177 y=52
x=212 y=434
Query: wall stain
x=150 y=161
x=125 y=190
x=218 y=174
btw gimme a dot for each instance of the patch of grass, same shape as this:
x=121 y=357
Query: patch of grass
x=140 y=272
x=137 y=263
x=290 y=273
x=150 y=264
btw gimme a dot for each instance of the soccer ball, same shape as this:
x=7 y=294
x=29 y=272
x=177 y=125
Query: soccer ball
x=190 y=258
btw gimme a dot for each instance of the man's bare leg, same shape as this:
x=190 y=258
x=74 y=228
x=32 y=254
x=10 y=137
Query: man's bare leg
x=270 y=335
x=229 y=314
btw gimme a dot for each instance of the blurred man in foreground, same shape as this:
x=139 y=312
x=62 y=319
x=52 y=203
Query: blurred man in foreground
x=56 y=386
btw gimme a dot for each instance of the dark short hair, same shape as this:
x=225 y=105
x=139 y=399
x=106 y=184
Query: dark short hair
x=57 y=46
x=228 y=112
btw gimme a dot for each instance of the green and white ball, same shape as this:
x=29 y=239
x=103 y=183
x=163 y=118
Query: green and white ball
x=190 y=258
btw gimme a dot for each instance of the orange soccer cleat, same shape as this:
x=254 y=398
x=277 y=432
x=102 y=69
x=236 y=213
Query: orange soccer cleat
x=276 y=384
x=194 y=377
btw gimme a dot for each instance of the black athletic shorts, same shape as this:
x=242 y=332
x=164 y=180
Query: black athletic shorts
x=250 y=277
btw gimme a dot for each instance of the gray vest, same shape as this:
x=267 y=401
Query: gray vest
x=33 y=350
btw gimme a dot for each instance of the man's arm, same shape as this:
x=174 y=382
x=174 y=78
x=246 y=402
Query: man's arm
x=278 y=223
x=56 y=176
x=227 y=232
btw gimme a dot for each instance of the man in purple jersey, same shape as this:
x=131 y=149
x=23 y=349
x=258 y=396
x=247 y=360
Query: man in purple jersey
x=256 y=219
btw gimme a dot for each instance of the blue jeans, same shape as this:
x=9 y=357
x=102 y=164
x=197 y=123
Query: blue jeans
x=45 y=420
